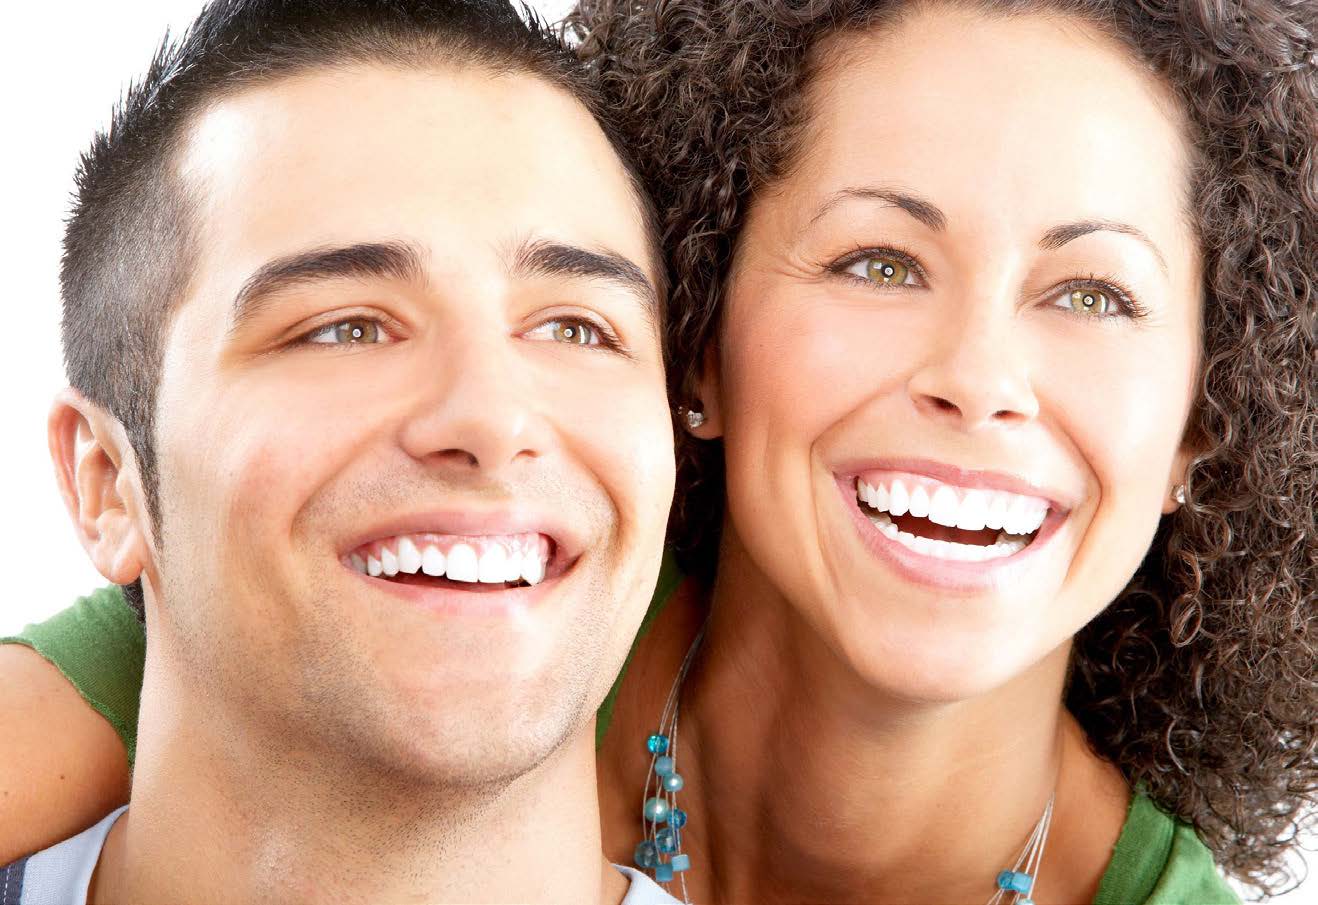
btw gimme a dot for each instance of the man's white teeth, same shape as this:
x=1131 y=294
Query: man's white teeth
x=490 y=568
x=409 y=557
x=956 y=507
x=942 y=549
x=462 y=564
x=432 y=562
x=496 y=564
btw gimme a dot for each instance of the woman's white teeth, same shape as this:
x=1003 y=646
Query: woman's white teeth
x=942 y=549
x=496 y=564
x=956 y=507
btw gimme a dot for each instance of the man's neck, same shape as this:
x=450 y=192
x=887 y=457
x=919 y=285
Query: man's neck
x=214 y=820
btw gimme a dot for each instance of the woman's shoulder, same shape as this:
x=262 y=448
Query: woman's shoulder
x=99 y=645
x=1159 y=860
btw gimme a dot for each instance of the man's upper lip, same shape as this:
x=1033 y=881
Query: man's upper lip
x=966 y=477
x=472 y=522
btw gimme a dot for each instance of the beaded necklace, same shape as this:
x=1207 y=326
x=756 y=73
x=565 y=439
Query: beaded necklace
x=660 y=849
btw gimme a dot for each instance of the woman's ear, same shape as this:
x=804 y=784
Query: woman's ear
x=1176 y=478
x=707 y=402
x=94 y=469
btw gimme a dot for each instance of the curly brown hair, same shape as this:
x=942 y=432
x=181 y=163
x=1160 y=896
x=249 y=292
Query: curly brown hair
x=1199 y=681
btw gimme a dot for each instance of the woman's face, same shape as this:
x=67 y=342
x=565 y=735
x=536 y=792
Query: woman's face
x=959 y=347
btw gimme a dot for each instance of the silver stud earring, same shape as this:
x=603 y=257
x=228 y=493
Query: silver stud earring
x=1178 y=494
x=694 y=419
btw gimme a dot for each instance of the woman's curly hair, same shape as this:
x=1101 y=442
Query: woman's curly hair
x=1200 y=680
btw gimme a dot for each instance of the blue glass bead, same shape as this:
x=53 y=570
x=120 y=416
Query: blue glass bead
x=663 y=873
x=667 y=840
x=656 y=810
x=677 y=818
x=1015 y=881
x=657 y=744
x=680 y=863
x=646 y=855
x=674 y=782
x=663 y=765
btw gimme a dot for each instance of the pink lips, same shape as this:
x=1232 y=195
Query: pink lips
x=944 y=574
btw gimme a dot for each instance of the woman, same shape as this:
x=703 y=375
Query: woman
x=993 y=327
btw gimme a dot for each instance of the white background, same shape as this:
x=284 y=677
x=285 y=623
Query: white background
x=63 y=67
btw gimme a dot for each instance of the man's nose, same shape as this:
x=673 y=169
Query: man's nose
x=478 y=411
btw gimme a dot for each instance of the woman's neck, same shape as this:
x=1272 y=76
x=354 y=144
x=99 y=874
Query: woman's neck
x=804 y=783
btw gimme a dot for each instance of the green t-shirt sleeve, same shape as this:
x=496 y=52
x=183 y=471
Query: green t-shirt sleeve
x=1160 y=861
x=99 y=645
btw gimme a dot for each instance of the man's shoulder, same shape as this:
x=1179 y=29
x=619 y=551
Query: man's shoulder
x=58 y=875
x=644 y=891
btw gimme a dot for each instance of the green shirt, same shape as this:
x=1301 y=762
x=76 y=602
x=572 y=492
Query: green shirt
x=100 y=647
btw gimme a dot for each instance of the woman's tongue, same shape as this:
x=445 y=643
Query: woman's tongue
x=922 y=527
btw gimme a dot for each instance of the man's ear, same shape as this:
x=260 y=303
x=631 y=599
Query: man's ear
x=94 y=467
x=708 y=399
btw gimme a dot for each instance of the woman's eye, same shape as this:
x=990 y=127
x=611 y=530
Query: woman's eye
x=574 y=332
x=884 y=269
x=1093 y=302
x=354 y=331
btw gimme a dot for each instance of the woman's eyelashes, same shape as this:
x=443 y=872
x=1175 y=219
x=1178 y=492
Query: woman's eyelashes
x=1091 y=297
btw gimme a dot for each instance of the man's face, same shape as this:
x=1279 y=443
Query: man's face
x=420 y=336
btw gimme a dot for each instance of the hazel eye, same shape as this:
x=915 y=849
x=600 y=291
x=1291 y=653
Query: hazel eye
x=574 y=333
x=357 y=331
x=1091 y=302
x=570 y=331
x=885 y=268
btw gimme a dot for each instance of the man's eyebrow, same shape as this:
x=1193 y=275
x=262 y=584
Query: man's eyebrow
x=926 y=212
x=556 y=259
x=1059 y=235
x=394 y=260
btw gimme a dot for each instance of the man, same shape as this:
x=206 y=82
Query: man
x=362 y=322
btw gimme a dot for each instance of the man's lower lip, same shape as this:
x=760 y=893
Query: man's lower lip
x=944 y=574
x=449 y=601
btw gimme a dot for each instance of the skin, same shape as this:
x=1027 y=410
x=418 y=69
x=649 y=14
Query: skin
x=305 y=734
x=902 y=742
x=906 y=738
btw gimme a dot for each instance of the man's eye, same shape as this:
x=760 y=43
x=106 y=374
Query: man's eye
x=356 y=330
x=885 y=269
x=572 y=331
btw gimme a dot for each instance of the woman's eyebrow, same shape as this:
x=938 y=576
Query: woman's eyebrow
x=1067 y=232
x=921 y=209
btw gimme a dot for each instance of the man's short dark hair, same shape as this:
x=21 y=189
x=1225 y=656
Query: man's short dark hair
x=129 y=247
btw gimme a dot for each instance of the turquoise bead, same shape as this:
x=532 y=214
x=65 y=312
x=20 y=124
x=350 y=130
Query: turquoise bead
x=677 y=818
x=664 y=765
x=657 y=744
x=680 y=863
x=647 y=856
x=666 y=840
x=1015 y=881
x=674 y=782
x=664 y=873
x=656 y=810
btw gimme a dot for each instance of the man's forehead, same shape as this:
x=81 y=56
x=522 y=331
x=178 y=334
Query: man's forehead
x=454 y=155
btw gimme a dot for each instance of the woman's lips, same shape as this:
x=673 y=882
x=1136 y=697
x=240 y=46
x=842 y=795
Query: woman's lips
x=939 y=556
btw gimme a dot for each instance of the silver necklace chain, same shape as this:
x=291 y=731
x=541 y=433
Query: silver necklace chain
x=662 y=820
